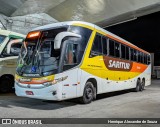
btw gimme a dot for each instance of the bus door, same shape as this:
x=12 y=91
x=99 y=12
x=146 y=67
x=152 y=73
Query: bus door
x=70 y=71
x=95 y=60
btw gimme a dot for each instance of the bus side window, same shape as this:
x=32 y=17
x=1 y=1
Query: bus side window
x=14 y=48
x=71 y=54
x=123 y=52
x=127 y=53
x=135 y=55
x=145 y=58
x=148 y=59
x=117 y=49
x=132 y=54
x=139 y=56
x=104 y=44
x=96 y=47
x=111 y=48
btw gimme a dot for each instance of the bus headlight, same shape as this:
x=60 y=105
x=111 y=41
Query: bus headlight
x=54 y=82
x=47 y=84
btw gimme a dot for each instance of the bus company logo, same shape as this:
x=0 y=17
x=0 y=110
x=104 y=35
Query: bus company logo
x=24 y=80
x=117 y=64
x=6 y=121
x=31 y=75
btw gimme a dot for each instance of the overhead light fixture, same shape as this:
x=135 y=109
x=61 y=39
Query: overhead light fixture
x=128 y=20
x=9 y=20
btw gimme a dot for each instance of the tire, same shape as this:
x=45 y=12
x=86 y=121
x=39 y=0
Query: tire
x=142 y=85
x=138 y=86
x=95 y=94
x=88 y=94
x=6 y=85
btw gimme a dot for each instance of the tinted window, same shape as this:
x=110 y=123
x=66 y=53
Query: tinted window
x=145 y=58
x=117 y=49
x=148 y=59
x=143 y=55
x=71 y=54
x=139 y=56
x=111 y=48
x=127 y=53
x=135 y=55
x=132 y=54
x=97 y=45
x=85 y=35
x=123 y=51
x=104 y=42
x=15 y=49
x=2 y=38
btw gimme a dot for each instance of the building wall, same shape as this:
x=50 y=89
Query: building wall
x=23 y=24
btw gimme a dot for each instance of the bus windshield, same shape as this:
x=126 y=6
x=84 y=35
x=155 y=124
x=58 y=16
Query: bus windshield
x=38 y=55
x=2 y=37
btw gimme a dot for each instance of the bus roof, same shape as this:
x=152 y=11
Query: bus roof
x=60 y=24
x=10 y=33
x=90 y=26
x=5 y=32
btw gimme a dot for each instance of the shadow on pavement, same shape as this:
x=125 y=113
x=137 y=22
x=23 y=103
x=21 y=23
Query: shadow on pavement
x=10 y=100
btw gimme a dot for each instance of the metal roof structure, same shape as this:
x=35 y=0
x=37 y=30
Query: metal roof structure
x=101 y=12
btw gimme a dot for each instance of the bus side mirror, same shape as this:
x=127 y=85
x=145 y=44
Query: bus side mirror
x=15 y=50
x=14 y=47
x=59 y=37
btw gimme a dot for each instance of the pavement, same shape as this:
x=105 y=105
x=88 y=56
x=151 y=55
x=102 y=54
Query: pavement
x=123 y=104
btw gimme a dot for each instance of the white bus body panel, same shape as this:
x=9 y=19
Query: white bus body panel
x=8 y=64
x=70 y=88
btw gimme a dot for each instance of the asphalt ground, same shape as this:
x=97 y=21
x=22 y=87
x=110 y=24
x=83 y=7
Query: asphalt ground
x=123 y=104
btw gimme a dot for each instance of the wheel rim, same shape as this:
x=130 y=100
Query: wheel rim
x=143 y=84
x=89 y=93
x=138 y=86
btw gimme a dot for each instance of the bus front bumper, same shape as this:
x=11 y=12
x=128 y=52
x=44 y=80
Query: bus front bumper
x=38 y=91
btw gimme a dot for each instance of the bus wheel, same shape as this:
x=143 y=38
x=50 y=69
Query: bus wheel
x=142 y=84
x=5 y=85
x=88 y=93
x=138 y=86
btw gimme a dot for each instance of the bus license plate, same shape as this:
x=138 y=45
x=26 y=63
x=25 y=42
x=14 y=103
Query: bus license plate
x=29 y=93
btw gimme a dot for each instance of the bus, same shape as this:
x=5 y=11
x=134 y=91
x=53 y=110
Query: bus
x=77 y=59
x=10 y=45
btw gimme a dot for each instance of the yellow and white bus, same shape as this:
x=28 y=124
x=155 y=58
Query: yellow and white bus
x=10 y=45
x=78 y=60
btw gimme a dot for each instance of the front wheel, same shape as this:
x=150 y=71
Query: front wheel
x=88 y=94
